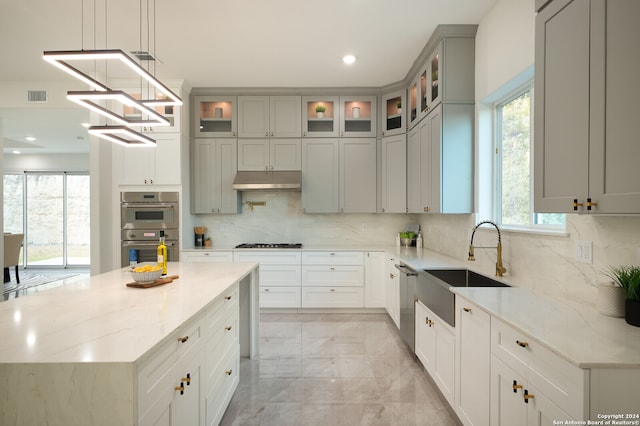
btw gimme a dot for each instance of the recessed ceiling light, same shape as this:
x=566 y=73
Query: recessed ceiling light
x=16 y=152
x=349 y=59
x=30 y=138
x=87 y=125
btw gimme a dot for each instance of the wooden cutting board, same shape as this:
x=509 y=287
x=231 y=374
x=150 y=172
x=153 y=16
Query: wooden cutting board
x=159 y=281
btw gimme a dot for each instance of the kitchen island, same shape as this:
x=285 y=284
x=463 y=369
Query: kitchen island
x=96 y=352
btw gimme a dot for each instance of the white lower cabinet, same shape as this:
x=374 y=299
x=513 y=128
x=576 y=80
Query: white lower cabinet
x=374 y=280
x=183 y=382
x=207 y=256
x=333 y=280
x=435 y=348
x=473 y=362
x=392 y=283
x=280 y=276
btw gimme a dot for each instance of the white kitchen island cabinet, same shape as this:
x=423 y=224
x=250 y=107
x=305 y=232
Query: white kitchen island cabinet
x=96 y=352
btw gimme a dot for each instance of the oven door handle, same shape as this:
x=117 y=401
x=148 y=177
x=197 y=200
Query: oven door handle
x=406 y=270
x=149 y=205
x=146 y=244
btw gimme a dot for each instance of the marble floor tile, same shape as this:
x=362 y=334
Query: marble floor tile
x=334 y=369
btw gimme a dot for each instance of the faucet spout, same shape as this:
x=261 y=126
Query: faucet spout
x=500 y=269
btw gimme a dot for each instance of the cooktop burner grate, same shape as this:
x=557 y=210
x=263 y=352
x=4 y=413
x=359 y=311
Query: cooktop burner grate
x=270 y=245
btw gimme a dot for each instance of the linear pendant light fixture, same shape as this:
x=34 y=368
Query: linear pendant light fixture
x=61 y=60
x=122 y=135
x=86 y=98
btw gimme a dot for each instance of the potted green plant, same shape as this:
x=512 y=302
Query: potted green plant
x=407 y=238
x=628 y=277
x=399 y=106
x=320 y=109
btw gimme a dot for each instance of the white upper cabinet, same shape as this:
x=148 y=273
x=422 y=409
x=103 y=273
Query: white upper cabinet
x=358 y=116
x=159 y=165
x=393 y=119
x=586 y=107
x=269 y=116
x=320 y=116
x=214 y=116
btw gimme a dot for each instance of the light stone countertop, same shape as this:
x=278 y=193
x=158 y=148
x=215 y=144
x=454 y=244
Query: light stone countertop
x=100 y=319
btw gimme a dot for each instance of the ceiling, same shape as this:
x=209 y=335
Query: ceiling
x=219 y=43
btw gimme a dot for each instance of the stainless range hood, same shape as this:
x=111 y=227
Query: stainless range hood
x=277 y=180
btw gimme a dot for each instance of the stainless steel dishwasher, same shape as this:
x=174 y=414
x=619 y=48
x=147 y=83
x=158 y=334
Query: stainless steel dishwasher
x=407 y=304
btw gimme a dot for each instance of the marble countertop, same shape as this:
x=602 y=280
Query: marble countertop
x=577 y=333
x=100 y=319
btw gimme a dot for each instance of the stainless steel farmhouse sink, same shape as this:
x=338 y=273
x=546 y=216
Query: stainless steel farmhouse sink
x=432 y=289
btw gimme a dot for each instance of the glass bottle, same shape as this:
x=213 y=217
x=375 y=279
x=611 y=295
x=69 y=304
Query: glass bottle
x=162 y=254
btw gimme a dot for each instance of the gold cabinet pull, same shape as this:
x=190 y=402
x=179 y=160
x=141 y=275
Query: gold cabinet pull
x=180 y=388
x=186 y=380
x=228 y=328
x=466 y=309
x=591 y=204
x=228 y=372
x=183 y=339
x=522 y=344
x=391 y=276
x=527 y=396
x=228 y=297
x=576 y=204
x=516 y=386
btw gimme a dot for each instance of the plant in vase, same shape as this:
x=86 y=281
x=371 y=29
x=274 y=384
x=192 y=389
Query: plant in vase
x=320 y=109
x=628 y=277
x=399 y=106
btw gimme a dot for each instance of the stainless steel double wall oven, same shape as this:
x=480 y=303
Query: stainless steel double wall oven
x=142 y=216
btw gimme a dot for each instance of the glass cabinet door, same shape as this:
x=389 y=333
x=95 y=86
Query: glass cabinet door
x=215 y=116
x=434 y=76
x=358 y=116
x=170 y=112
x=393 y=121
x=320 y=116
x=413 y=113
x=424 y=95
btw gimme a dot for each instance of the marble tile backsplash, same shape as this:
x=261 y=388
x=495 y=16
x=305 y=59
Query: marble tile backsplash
x=544 y=263
x=282 y=220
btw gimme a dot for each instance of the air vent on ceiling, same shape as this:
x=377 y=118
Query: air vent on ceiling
x=38 y=96
x=144 y=55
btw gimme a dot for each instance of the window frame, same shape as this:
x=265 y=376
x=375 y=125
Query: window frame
x=496 y=107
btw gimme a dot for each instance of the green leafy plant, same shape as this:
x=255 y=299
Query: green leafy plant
x=411 y=235
x=320 y=108
x=627 y=277
x=399 y=104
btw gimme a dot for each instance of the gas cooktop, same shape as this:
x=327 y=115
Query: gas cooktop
x=269 y=245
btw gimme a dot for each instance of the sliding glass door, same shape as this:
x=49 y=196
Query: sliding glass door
x=54 y=209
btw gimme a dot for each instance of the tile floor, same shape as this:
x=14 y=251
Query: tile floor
x=334 y=369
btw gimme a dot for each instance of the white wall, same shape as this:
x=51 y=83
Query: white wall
x=546 y=264
x=46 y=162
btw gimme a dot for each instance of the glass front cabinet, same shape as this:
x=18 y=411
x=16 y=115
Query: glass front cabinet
x=320 y=116
x=170 y=112
x=434 y=91
x=214 y=116
x=358 y=116
x=393 y=119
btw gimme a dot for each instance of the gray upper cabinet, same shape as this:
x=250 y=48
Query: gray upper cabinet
x=214 y=116
x=320 y=176
x=214 y=162
x=586 y=105
x=320 y=116
x=394 y=178
x=269 y=154
x=393 y=119
x=269 y=116
x=358 y=116
x=358 y=158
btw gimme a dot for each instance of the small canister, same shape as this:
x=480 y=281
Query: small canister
x=133 y=257
x=199 y=240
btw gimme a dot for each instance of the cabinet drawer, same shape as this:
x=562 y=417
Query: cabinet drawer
x=269 y=257
x=280 y=275
x=279 y=297
x=227 y=305
x=220 y=385
x=208 y=256
x=555 y=377
x=156 y=374
x=333 y=258
x=332 y=297
x=223 y=338
x=333 y=276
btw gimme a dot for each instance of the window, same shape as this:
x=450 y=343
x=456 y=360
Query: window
x=514 y=177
